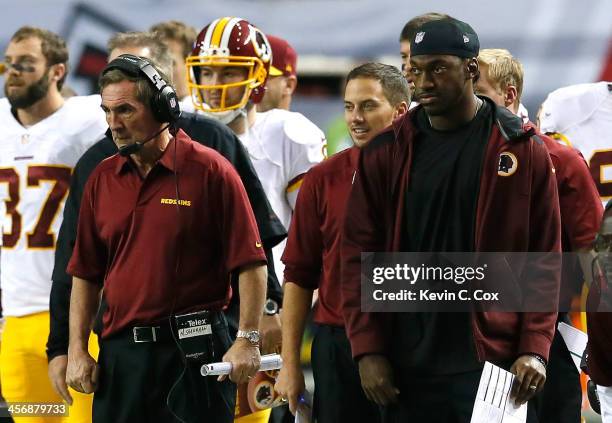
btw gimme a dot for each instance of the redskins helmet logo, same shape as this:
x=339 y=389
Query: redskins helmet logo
x=507 y=164
x=260 y=44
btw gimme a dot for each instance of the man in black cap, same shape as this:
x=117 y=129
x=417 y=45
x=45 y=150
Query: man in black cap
x=409 y=31
x=457 y=174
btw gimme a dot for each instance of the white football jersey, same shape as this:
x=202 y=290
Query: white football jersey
x=283 y=146
x=186 y=105
x=35 y=168
x=523 y=113
x=581 y=116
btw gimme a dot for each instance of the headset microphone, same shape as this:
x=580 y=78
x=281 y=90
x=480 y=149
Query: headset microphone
x=126 y=150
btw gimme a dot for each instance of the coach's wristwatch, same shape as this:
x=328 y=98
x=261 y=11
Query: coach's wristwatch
x=250 y=335
x=270 y=307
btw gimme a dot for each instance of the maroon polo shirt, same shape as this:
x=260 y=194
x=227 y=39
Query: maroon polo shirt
x=151 y=252
x=312 y=254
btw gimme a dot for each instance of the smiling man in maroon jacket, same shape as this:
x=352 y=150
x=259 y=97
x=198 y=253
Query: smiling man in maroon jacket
x=375 y=95
x=440 y=181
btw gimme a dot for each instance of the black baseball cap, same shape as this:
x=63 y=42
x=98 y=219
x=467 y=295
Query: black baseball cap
x=445 y=36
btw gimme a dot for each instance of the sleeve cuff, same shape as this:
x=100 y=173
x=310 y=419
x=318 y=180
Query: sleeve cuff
x=248 y=261
x=368 y=342
x=535 y=343
x=55 y=352
x=583 y=242
x=78 y=273
x=302 y=277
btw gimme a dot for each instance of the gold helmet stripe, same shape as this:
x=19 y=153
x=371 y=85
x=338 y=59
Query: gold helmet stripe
x=206 y=42
x=228 y=31
x=215 y=42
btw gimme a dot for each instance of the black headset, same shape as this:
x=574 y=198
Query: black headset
x=164 y=104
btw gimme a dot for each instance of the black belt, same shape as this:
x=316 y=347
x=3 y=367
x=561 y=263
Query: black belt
x=331 y=328
x=151 y=334
x=162 y=332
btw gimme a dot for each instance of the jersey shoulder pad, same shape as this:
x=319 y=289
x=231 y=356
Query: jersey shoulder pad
x=83 y=115
x=4 y=105
x=288 y=126
x=85 y=103
x=299 y=129
x=6 y=116
x=568 y=106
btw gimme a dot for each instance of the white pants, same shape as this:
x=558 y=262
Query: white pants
x=605 y=399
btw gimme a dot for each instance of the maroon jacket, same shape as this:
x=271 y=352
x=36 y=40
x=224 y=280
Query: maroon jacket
x=580 y=206
x=581 y=211
x=515 y=213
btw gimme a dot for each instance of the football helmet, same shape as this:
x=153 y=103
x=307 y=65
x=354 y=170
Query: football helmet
x=229 y=42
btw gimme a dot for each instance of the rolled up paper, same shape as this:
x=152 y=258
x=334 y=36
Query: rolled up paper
x=268 y=362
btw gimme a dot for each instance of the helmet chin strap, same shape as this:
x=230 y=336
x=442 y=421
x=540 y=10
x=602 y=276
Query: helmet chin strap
x=227 y=116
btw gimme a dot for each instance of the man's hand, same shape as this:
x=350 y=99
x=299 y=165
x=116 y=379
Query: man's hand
x=377 y=379
x=290 y=385
x=530 y=377
x=57 y=375
x=245 y=360
x=270 y=333
x=81 y=371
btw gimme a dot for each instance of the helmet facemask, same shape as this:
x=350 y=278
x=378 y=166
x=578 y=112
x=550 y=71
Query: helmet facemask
x=202 y=94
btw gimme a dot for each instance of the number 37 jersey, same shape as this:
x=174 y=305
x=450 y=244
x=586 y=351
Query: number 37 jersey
x=35 y=168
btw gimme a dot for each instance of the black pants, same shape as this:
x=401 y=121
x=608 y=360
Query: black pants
x=338 y=395
x=439 y=399
x=148 y=382
x=561 y=398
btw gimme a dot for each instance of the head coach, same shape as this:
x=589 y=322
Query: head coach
x=163 y=225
